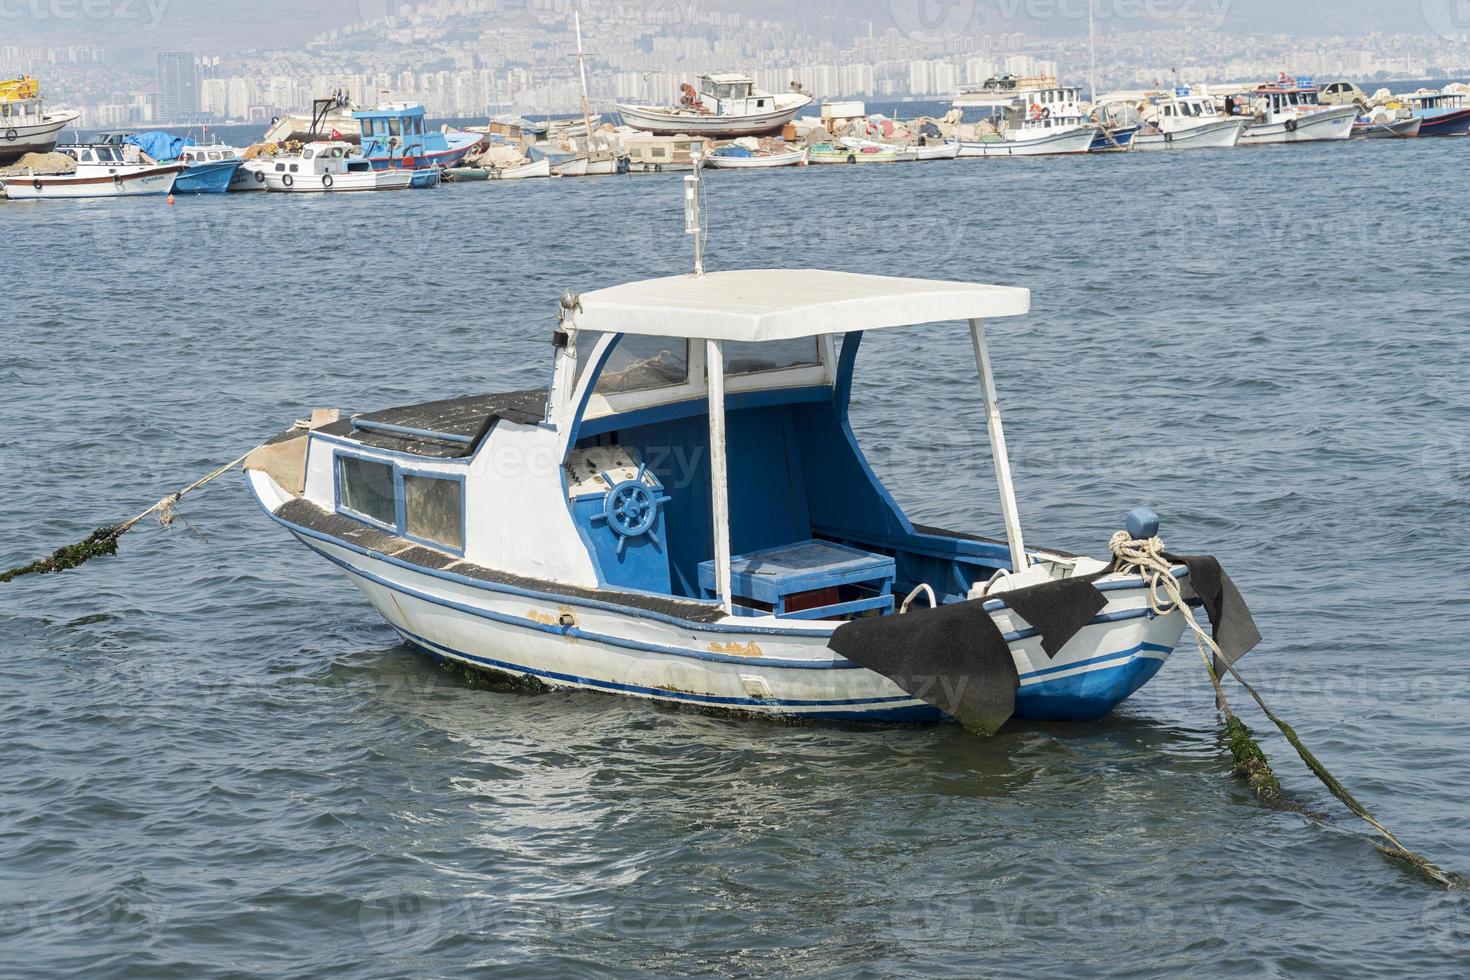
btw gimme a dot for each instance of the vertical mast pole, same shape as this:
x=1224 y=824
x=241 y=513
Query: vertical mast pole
x=1092 y=46
x=1008 y=508
x=582 y=67
x=714 y=354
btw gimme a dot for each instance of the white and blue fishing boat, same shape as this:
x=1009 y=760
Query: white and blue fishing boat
x=395 y=137
x=684 y=515
x=210 y=170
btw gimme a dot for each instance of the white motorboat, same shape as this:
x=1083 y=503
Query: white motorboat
x=1293 y=113
x=330 y=166
x=904 y=152
x=726 y=106
x=25 y=125
x=757 y=161
x=533 y=168
x=1187 y=122
x=697 y=525
x=1045 y=122
x=102 y=171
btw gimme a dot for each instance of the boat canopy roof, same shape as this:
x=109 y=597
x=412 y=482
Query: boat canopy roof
x=784 y=304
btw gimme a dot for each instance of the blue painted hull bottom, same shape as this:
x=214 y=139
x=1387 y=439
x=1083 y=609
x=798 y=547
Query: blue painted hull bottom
x=1450 y=124
x=1119 y=141
x=207 y=178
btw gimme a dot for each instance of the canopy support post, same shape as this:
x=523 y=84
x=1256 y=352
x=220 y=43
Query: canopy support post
x=1008 y=507
x=714 y=354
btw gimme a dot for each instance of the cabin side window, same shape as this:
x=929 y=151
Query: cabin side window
x=433 y=510
x=367 y=128
x=758 y=357
x=365 y=489
x=394 y=128
x=638 y=363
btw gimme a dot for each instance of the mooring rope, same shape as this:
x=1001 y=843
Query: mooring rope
x=1146 y=556
x=103 y=541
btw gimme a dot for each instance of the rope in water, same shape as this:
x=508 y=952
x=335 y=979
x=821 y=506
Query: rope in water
x=103 y=541
x=1147 y=558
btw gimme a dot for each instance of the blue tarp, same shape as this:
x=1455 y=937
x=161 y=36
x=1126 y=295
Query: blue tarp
x=733 y=151
x=160 y=146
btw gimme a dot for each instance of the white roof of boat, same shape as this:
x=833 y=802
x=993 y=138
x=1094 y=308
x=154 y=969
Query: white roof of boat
x=782 y=304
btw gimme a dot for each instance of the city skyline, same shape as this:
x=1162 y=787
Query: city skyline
x=475 y=57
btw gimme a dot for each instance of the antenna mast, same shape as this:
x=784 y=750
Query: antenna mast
x=693 y=225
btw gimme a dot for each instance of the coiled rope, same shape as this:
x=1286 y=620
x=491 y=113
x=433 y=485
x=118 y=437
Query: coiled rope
x=1146 y=557
x=103 y=541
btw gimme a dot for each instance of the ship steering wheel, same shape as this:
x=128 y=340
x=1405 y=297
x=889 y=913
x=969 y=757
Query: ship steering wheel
x=631 y=509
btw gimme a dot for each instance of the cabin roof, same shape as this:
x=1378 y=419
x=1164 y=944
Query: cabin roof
x=782 y=304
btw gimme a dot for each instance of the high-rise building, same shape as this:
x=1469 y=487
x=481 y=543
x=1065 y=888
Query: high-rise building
x=178 y=86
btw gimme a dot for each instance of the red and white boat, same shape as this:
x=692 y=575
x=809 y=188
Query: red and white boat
x=102 y=171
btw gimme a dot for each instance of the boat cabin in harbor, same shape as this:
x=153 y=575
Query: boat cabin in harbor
x=395 y=136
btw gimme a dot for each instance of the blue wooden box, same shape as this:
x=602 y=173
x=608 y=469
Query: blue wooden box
x=806 y=580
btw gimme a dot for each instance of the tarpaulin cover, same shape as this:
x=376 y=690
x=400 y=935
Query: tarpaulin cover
x=733 y=151
x=929 y=129
x=160 y=146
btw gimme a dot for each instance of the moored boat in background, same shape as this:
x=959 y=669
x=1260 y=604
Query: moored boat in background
x=101 y=171
x=394 y=136
x=331 y=167
x=1044 y=122
x=1441 y=113
x=1182 y=121
x=724 y=107
x=25 y=125
x=1292 y=112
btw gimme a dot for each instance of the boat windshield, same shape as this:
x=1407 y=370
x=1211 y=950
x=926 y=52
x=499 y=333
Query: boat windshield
x=637 y=363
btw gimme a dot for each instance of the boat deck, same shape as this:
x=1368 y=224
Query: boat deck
x=449 y=429
x=306 y=515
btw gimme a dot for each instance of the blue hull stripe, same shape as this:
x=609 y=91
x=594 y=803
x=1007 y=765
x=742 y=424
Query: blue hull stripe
x=642 y=646
x=645 y=647
x=992 y=605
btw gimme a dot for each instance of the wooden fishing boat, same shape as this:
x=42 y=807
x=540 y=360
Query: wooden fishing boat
x=724 y=107
x=684 y=516
x=331 y=167
x=102 y=171
x=758 y=161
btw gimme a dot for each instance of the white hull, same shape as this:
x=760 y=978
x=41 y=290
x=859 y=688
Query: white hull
x=42 y=137
x=684 y=122
x=1056 y=144
x=1219 y=135
x=249 y=178
x=756 y=666
x=536 y=168
x=575 y=167
x=371 y=180
x=1329 y=125
x=602 y=168
x=794 y=158
x=142 y=181
x=938 y=151
x=910 y=152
